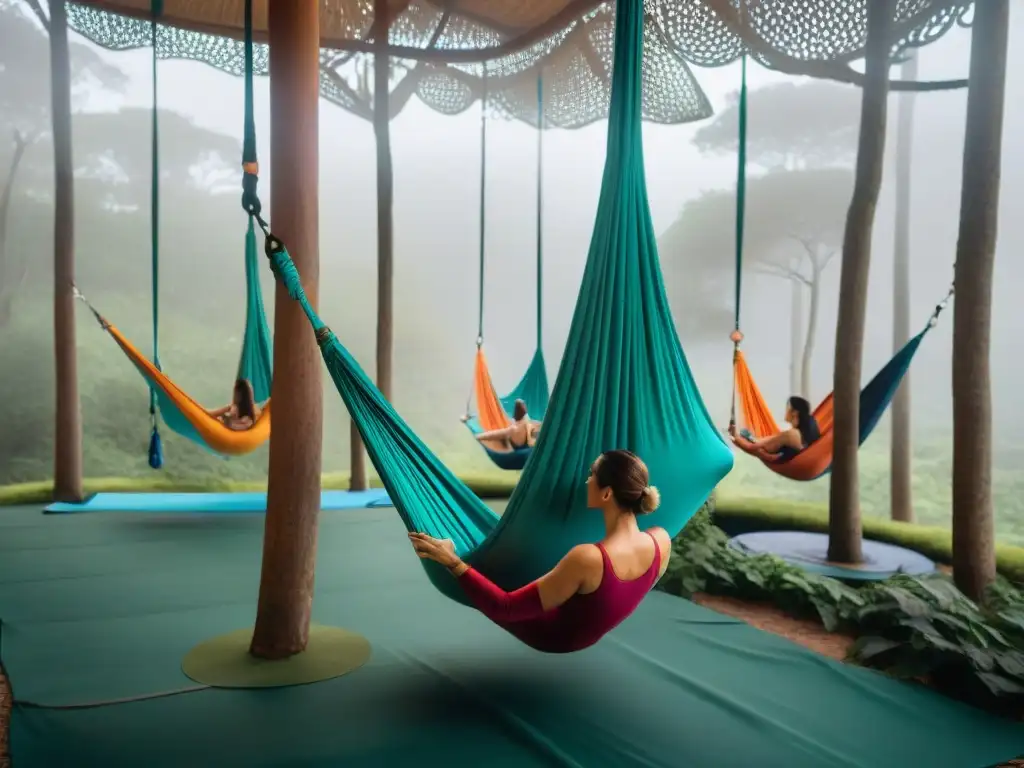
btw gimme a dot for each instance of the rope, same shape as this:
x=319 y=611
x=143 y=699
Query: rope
x=156 y=10
x=741 y=204
x=483 y=207
x=540 y=207
x=95 y=312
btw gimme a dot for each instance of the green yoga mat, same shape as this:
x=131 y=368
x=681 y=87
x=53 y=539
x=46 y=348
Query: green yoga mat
x=102 y=607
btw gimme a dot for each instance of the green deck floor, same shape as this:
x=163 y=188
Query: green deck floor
x=102 y=607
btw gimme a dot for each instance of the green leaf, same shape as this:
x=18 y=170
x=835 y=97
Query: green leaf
x=910 y=603
x=827 y=613
x=1011 y=662
x=980 y=658
x=866 y=648
x=1000 y=685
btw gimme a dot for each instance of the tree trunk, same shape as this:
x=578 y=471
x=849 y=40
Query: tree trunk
x=385 y=239
x=8 y=284
x=358 y=480
x=293 y=493
x=385 y=198
x=974 y=562
x=67 y=464
x=900 y=474
x=844 y=509
x=812 y=326
x=796 y=329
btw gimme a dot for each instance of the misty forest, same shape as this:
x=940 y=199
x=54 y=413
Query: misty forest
x=667 y=352
x=801 y=150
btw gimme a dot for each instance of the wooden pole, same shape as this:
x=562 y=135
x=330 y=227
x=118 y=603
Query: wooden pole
x=67 y=455
x=974 y=557
x=293 y=498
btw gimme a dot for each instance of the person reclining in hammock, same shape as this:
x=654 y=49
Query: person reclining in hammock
x=789 y=442
x=521 y=433
x=243 y=412
x=595 y=586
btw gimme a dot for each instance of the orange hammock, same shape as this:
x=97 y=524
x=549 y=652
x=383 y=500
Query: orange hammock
x=175 y=402
x=816 y=459
x=812 y=462
x=490 y=413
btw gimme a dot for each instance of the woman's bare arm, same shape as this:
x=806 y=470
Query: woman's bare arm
x=766 y=445
x=220 y=411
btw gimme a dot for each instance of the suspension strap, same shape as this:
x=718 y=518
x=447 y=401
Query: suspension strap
x=156 y=10
x=540 y=207
x=483 y=207
x=250 y=165
x=741 y=203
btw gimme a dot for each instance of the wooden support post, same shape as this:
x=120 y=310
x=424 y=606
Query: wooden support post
x=293 y=498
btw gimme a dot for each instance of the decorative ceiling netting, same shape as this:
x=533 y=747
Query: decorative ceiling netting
x=704 y=32
x=574 y=63
x=436 y=42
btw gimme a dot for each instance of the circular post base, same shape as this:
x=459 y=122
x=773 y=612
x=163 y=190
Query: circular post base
x=225 y=661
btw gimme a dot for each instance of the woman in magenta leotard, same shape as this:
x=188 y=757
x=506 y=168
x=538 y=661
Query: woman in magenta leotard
x=595 y=586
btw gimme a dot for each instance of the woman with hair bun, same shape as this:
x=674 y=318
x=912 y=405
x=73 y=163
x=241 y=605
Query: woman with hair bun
x=595 y=586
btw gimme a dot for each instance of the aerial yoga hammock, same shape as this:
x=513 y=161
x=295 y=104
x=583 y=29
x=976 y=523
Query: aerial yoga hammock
x=815 y=460
x=180 y=412
x=494 y=412
x=624 y=383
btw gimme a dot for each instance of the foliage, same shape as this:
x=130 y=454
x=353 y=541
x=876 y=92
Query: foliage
x=739 y=514
x=790 y=125
x=25 y=72
x=785 y=211
x=199 y=347
x=932 y=493
x=915 y=628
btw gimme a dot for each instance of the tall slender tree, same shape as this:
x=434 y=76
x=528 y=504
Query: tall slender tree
x=67 y=464
x=900 y=473
x=844 y=504
x=974 y=564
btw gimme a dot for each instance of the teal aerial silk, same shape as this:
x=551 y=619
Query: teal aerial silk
x=256 y=359
x=623 y=383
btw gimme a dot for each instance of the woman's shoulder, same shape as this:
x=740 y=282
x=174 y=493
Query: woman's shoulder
x=661 y=536
x=584 y=557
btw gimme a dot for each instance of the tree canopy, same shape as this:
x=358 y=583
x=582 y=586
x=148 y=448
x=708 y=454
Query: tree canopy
x=789 y=125
x=784 y=211
x=25 y=72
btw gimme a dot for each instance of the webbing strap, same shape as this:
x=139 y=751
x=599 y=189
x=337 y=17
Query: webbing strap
x=156 y=10
x=250 y=164
x=741 y=203
x=540 y=207
x=483 y=207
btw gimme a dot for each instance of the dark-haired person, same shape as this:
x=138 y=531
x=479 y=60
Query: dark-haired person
x=803 y=430
x=595 y=586
x=243 y=412
x=522 y=432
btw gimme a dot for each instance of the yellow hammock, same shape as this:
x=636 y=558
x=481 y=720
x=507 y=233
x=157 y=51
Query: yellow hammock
x=207 y=429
